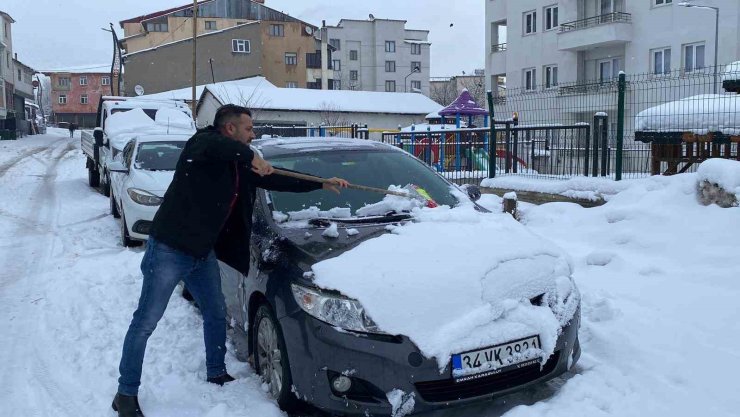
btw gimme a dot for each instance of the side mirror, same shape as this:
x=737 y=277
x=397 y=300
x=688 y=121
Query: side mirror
x=117 y=166
x=98 y=135
x=473 y=191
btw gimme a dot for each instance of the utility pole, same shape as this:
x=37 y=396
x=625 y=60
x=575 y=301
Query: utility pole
x=195 y=49
x=213 y=77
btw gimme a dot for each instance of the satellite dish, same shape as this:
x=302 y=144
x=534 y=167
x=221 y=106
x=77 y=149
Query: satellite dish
x=139 y=90
x=371 y=16
x=309 y=30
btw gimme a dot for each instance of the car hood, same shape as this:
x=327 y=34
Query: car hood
x=156 y=182
x=455 y=280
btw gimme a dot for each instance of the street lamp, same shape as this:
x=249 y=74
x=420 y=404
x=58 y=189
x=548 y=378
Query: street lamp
x=416 y=69
x=716 y=33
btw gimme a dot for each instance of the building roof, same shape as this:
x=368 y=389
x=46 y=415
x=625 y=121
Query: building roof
x=160 y=13
x=463 y=105
x=19 y=63
x=214 y=32
x=302 y=99
x=89 y=69
x=7 y=16
x=186 y=94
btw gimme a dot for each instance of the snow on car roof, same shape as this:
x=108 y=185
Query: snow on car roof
x=163 y=138
x=285 y=146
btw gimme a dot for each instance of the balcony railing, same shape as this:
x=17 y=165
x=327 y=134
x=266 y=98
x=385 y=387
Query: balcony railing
x=615 y=17
x=606 y=86
x=499 y=47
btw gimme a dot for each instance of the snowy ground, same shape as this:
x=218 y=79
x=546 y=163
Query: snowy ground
x=658 y=274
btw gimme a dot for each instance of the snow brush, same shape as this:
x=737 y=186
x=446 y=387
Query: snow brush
x=411 y=191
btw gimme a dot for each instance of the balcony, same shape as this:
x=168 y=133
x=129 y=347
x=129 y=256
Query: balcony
x=501 y=47
x=593 y=32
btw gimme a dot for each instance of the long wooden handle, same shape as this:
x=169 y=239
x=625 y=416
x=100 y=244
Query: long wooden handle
x=326 y=181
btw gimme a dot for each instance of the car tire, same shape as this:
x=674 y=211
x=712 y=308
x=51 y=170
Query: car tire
x=106 y=186
x=126 y=240
x=114 y=208
x=267 y=342
x=93 y=177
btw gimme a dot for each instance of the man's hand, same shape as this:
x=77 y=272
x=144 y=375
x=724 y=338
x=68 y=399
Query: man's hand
x=260 y=166
x=335 y=184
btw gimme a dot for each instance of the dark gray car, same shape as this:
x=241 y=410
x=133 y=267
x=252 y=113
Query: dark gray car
x=303 y=354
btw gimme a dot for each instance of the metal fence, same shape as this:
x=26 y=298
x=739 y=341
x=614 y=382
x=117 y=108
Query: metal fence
x=354 y=131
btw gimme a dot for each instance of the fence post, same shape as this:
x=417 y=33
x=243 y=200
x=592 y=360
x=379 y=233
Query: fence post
x=353 y=131
x=514 y=155
x=598 y=120
x=604 y=144
x=428 y=150
x=492 y=138
x=587 y=150
x=620 y=125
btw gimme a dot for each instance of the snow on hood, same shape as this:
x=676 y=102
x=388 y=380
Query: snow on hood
x=457 y=280
x=155 y=182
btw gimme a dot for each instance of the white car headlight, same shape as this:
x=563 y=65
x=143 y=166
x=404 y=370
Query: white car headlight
x=144 y=197
x=336 y=310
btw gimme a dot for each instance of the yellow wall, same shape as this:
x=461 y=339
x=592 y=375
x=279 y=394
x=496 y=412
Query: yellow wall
x=274 y=49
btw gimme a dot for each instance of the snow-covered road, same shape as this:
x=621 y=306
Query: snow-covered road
x=659 y=276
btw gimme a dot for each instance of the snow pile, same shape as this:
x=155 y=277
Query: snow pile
x=402 y=403
x=312 y=212
x=698 y=114
x=475 y=292
x=331 y=231
x=579 y=187
x=122 y=126
x=732 y=72
x=130 y=121
x=174 y=118
x=391 y=203
x=723 y=172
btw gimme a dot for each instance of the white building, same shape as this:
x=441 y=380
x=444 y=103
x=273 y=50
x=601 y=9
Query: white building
x=549 y=42
x=380 y=55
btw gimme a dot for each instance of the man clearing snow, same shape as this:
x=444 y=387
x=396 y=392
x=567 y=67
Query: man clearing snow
x=206 y=215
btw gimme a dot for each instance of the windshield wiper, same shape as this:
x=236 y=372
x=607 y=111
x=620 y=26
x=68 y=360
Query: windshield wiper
x=390 y=217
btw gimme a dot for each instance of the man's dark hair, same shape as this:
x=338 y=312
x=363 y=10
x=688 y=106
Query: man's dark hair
x=227 y=113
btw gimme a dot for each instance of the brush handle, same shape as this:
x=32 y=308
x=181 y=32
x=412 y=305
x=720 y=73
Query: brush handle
x=326 y=181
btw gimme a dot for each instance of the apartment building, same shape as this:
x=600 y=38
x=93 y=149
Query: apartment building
x=236 y=39
x=23 y=78
x=379 y=55
x=75 y=95
x=6 y=65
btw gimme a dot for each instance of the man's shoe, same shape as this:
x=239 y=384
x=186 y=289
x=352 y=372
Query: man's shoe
x=127 y=406
x=221 y=380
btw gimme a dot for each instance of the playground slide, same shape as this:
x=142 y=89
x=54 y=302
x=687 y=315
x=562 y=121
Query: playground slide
x=480 y=159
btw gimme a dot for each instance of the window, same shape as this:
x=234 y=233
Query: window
x=693 y=57
x=415 y=49
x=336 y=43
x=291 y=84
x=390 y=86
x=83 y=80
x=20 y=75
x=337 y=84
x=661 y=60
x=291 y=58
x=240 y=46
x=390 y=66
x=277 y=30
x=415 y=64
x=353 y=75
x=211 y=25
x=551 y=76
x=336 y=64
x=530 y=22
x=62 y=99
x=159 y=25
x=83 y=99
x=663 y=2
x=353 y=55
x=390 y=46
x=530 y=79
x=105 y=81
x=415 y=85
x=551 y=17
x=64 y=81
x=609 y=69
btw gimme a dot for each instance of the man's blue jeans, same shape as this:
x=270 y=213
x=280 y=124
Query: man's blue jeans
x=163 y=267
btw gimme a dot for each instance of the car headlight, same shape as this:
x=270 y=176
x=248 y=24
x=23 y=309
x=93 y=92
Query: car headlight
x=336 y=310
x=144 y=197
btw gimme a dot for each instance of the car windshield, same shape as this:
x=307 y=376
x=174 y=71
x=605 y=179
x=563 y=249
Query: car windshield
x=159 y=156
x=379 y=169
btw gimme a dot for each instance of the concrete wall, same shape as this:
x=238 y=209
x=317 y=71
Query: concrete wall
x=170 y=67
x=296 y=40
x=179 y=28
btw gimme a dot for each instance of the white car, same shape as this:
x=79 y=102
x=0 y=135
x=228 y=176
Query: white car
x=140 y=175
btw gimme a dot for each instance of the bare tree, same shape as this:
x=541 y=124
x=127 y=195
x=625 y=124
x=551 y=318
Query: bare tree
x=332 y=115
x=476 y=86
x=443 y=91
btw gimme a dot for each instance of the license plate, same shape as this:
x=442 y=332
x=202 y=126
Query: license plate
x=492 y=360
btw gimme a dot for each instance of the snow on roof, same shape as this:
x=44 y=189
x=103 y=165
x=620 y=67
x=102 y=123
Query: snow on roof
x=732 y=72
x=186 y=93
x=87 y=69
x=698 y=114
x=433 y=115
x=416 y=41
x=303 y=99
x=214 y=32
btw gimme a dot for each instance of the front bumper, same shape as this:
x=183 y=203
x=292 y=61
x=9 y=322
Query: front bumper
x=138 y=218
x=379 y=364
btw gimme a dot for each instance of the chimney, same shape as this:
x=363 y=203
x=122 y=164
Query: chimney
x=16 y=56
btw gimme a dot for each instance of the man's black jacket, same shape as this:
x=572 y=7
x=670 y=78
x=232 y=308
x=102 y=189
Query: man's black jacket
x=194 y=216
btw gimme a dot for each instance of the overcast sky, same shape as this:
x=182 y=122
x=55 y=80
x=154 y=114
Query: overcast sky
x=50 y=34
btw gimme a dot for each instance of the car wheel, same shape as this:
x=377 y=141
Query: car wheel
x=106 y=186
x=126 y=240
x=271 y=358
x=93 y=177
x=114 y=208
